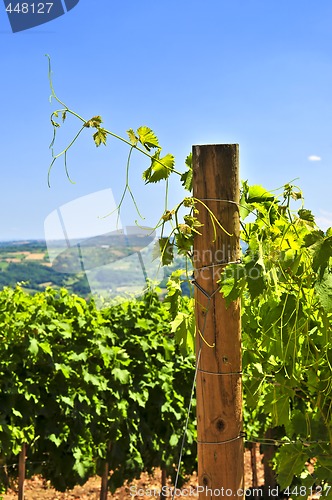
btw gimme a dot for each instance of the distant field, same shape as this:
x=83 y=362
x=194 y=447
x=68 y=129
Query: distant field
x=106 y=270
x=27 y=262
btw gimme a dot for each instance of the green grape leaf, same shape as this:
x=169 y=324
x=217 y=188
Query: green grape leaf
x=65 y=369
x=313 y=238
x=187 y=180
x=323 y=288
x=174 y=439
x=187 y=177
x=322 y=256
x=232 y=282
x=189 y=161
x=280 y=414
x=321 y=248
x=245 y=209
x=183 y=326
x=291 y=461
x=255 y=279
x=132 y=137
x=159 y=169
x=164 y=248
x=123 y=376
x=258 y=194
x=79 y=468
x=298 y=424
x=17 y=413
x=147 y=138
x=323 y=472
x=173 y=295
x=184 y=240
x=307 y=215
x=33 y=347
x=45 y=347
x=57 y=440
x=100 y=137
x=94 y=122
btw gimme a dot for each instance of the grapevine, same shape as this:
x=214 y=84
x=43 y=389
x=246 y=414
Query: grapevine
x=285 y=284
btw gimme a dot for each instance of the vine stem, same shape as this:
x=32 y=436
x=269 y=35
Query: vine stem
x=64 y=152
x=213 y=218
x=108 y=132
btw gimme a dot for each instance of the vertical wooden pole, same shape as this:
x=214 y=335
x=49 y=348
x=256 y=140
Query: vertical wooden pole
x=104 y=478
x=21 y=472
x=104 y=482
x=163 y=484
x=253 y=456
x=270 y=480
x=219 y=381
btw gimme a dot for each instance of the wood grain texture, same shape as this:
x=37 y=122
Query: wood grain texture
x=219 y=381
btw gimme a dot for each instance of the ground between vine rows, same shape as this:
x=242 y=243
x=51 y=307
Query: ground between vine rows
x=37 y=489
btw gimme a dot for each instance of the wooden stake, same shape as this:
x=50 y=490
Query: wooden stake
x=104 y=478
x=21 y=472
x=253 y=456
x=219 y=381
x=270 y=481
x=163 y=484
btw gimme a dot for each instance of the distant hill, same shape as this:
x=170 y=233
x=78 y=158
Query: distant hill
x=108 y=265
x=83 y=269
x=28 y=262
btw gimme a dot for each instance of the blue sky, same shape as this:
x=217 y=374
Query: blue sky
x=254 y=72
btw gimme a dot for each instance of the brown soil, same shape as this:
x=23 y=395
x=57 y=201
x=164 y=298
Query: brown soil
x=146 y=488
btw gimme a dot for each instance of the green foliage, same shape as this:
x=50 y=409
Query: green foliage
x=160 y=168
x=159 y=388
x=32 y=273
x=286 y=289
x=187 y=176
x=144 y=141
x=284 y=281
x=73 y=379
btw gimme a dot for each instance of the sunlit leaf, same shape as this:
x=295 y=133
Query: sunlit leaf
x=258 y=194
x=132 y=137
x=100 y=137
x=94 y=122
x=159 y=169
x=147 y=138
x=33 y=348
x=307 y=215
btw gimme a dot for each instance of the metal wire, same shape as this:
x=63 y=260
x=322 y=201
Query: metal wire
x=240 y=436
x=219 y=373
x=217 y=264
x=191 y=398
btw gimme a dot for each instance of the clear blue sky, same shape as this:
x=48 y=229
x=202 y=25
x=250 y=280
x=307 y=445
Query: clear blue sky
x=254 y=72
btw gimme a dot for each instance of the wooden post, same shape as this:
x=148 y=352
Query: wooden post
x=163 y=484
x=219 y=381
x=270 y=480
x=253 y=457
x=104 y=477
x=104 y=482
x=21 y=472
